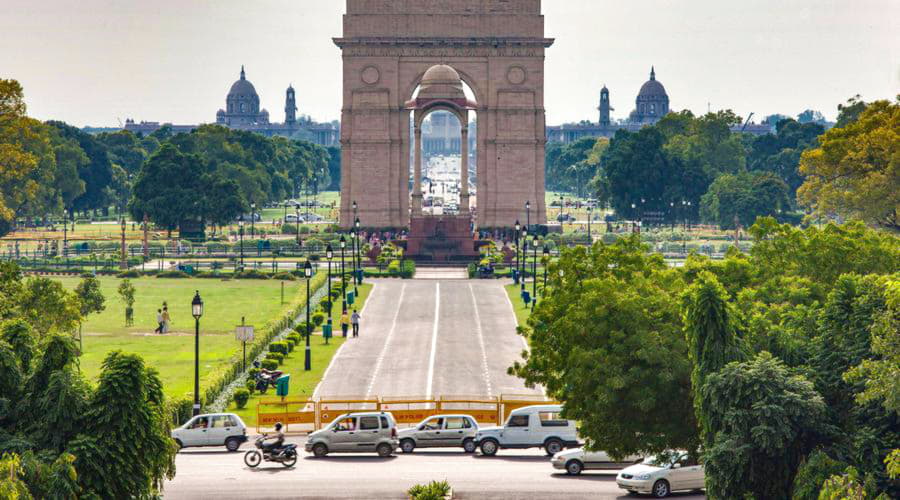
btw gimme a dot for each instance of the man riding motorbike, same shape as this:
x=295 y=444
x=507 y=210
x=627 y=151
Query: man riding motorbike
x=277 y=440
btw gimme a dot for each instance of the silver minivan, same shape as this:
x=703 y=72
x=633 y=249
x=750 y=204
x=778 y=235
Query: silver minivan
x=359 y=432
x=441 y=431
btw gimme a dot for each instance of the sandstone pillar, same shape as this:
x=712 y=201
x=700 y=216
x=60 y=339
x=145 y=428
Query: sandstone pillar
x=417 y=175
x=464 y=172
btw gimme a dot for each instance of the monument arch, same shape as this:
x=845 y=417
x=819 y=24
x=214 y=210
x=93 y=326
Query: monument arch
x=496 y=47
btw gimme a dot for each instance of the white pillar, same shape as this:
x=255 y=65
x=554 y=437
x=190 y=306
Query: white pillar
x=464 y=172
x=417 y=175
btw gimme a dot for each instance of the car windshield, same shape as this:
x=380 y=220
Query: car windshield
x=661 y=460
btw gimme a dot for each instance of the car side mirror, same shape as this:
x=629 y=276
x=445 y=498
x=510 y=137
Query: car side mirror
x=676 y=466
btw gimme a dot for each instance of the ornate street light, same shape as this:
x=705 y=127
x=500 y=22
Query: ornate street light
x=343 y=281
x=535 y=242
x=124 y=264
x=546 y=265
x=524 y=254
x=197 y=312
x=329 y=254
x=241 y=235
x=358 y=259
x=590 y=240
x=528 y=213
x=518 y=229
x=307 y=360
x=253 y=220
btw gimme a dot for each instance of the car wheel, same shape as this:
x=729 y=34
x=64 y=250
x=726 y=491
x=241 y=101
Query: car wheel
x=553 y=446
x=384 y=450
x=252 y=458
x=232 y=444
x=320 y=450
x=574 y=467
x=489 y=448
x=661 y=489
x=407 y=445
x=469 y=446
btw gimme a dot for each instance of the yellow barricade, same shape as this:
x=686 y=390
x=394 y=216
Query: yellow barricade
x=287 y=411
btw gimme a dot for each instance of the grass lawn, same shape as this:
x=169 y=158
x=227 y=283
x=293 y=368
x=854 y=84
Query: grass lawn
x=303 y=383
x=224 y=304
x=522 y=312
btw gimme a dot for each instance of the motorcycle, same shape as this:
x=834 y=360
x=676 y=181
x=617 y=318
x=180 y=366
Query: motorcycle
x=266 y=378
x=286 y=455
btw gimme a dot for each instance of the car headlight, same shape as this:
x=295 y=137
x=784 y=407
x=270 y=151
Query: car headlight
x=643 y=477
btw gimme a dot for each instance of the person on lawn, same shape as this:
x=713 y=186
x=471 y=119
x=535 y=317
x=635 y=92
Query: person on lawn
x=345 y=323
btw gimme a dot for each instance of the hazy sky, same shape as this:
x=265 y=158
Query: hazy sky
x=96 y=61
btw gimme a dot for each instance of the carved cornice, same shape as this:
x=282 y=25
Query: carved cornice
x=443 y=47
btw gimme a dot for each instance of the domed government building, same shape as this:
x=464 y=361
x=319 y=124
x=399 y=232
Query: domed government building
x=242 y=111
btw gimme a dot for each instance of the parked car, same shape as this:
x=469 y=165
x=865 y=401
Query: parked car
x=578 y=460
x=214 y=429
x=312 y=217
x=538 y=426
x=293 y=219
x=662 y=474
x=440 y=431
x=356 y=433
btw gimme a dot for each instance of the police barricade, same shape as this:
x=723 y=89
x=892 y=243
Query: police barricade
x=483 y=409
x=331 y=408
x=510 y=402
x=301 y=413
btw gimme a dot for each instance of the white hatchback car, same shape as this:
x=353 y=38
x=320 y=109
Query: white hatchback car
x=440 y=431
x=579 y=459
x=662 y=474
x=214 y=429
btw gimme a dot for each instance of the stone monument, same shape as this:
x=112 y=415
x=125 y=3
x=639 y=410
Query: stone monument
x=391 y=49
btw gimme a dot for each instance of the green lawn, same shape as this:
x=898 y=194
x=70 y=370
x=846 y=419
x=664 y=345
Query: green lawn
x=364 y=291
x=522 y=312
x=173 y=355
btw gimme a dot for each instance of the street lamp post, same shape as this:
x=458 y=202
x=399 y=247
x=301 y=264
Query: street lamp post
x=196 y=312
x=329 y=254
x=241 y=236
x=65 y=247
x=590 y=240
x=343 y=281
x=518 y=228
x=297 y=213
x=633 y=213
x=524 y=254
x=252 y=220
x=534 y=243
x=124 y=264
x=307 y=360
x=357 y=258
x=528 y=214
x=546 y=265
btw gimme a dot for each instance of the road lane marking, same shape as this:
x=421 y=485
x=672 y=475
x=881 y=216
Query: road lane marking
x=341 y=348
x=387 y=343
x=484 y=361
x=434 y=335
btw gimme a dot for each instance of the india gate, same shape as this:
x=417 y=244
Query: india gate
x=404 y=59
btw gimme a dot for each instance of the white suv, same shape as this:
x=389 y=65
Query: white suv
x=215 y=429
x=537 y=426
x=356 y=433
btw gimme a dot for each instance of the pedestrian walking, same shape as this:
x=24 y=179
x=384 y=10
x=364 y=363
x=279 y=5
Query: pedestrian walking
x=345 y=323
x=166 y=319
x=159 y=321
x=354 y=320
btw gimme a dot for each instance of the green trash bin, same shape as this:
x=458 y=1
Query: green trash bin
x=282 y=385
x=326 y=331
x=351 y=298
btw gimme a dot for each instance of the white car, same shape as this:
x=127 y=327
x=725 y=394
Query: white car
x=293 y=219
x=214 y=429
x=579 y=459
x=662 y=474
x=538 y=426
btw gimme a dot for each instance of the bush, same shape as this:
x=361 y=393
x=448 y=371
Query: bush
x=301 y=328
x=180 y=409
x=131 y=273
x=284 y=276
x=325 y=304
x=251 y=274
x=432 y=491
x=277 y=356
x=241 y=396
x=279 y=347
x=252 y=373
x=173 y=274
x=294 y=338
x=250 y=385
x=394 y=267
x=335 y=293
x=318 y=318
x=211 y=275
x=269 y=364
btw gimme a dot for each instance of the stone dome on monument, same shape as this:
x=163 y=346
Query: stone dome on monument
x=652 y=87
x=242 y=88
x=441 y=81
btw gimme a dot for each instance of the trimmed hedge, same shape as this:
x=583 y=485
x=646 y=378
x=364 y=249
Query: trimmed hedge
x=277 y=356
x=241 y=396
x=270 y=364
x=279 y=347
x=173 y=274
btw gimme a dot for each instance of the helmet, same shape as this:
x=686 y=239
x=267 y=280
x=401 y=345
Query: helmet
x=256 y=364
x=277 y=426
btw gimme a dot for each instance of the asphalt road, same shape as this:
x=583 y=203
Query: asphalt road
x=512 y=474
x=422 y=338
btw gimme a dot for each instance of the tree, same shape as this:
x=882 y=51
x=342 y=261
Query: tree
x=49 y=307
x=11 y=485
x=126 y=292
x=779 y=153
x=855 y=172
x=90 y=299
x=741 y=198
x=167 y=203
x=764 y=420
x=849 y=112
x=811 y=116
x=606 y=341
x=97 y=174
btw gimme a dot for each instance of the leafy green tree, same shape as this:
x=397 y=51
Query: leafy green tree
x=169 y=188
x=764 y=420
x=126 y=291
x=97 y=174
x=779 y=153
x=127 y=407
x=90 y=296
x=849 y=112
x=855 y=172
x=606 y=341
x=19 y=336
x=741 y=198
x=11 y=485
x=813 y=471
x=49 y=307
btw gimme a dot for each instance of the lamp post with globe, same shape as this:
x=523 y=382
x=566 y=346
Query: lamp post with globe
x=196 y=312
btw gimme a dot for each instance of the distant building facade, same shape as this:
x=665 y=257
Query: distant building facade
x=651 y=104
x=242 y=111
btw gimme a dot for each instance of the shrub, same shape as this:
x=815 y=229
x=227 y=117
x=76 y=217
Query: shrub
x=325 y=304
x=434 y=490
x=211 y=275
x=280 y=347
x=284 y=276
x=270 y=364
x=173 y=274
x=335 y=293
x=318 y=318
x=294 y=338
x=277 y=356
x=250 y=385
x=241 y=396
x=180 y=409
x=252 y=373
x=251 y=274
x=301 y=328
x=131 y=273
x=394 y=267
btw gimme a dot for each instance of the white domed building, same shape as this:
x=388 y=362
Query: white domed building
x=242 y=105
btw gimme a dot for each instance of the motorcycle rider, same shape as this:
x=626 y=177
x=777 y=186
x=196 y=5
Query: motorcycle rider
x=278 y=440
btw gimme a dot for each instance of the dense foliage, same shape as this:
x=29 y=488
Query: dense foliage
x=781 y=363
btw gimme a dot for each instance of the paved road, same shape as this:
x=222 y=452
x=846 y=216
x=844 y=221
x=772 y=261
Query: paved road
x=430 y=338
x=221 y=475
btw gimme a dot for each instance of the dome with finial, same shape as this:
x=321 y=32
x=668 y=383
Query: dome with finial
x=242 y=89
x=652 y=88
x=441 y=81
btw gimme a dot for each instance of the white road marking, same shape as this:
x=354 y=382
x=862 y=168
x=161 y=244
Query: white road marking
x=387 y=343
x=434 y=336
x=484 y=361
x=341 y=348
